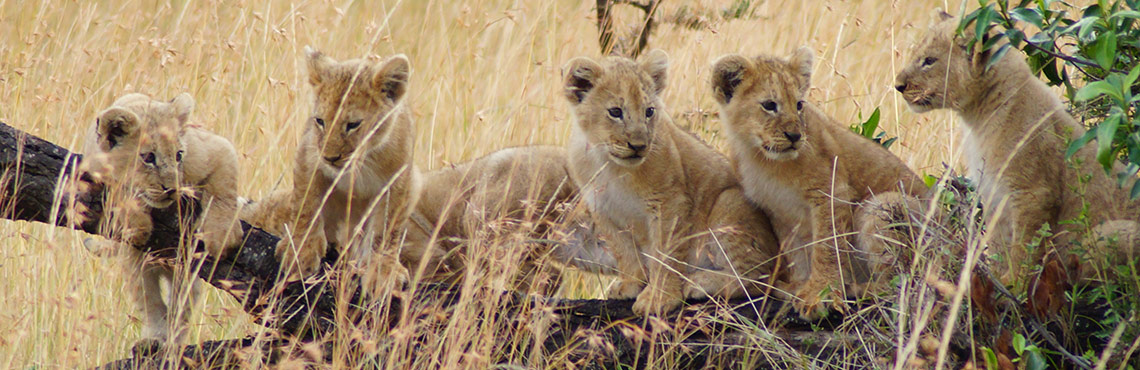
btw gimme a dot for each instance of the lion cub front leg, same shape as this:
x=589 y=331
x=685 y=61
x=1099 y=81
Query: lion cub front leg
x=666 y=254
x=219 y=227
x=625 y=248
x=306 y=243
x=133 y=217
x=825 y=281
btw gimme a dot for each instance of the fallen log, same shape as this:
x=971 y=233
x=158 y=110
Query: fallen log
x=32 y=169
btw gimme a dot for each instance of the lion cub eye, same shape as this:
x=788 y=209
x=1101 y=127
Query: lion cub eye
x=320 y=122
x=178 y=156
x=928 y=61
x=147 y=158
x=800 y=105
x=769 y=105
x=615 y=112
x=649 y=112
x=352 y=125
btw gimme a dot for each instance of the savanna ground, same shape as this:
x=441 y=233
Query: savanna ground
x=486 y=75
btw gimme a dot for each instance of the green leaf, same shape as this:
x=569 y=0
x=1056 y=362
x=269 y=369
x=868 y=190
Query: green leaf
x=991 y=358
x=929 y=180
x=1104 y=135
x=1105 y=50
x=1082 y=27
x=1018 y=343
x=966 y=20
x=983 y=22
x=1125 y=14
x=1096 y=89
x=1131 y=78
x=1015 y=36
x=1040 y=37
x=997 y=55
x=1051 y=73
x=1136 y=190
x=1027 y=15
x=1034 y=361
x=887 y=144
x=1079 y=142
x=872 y=123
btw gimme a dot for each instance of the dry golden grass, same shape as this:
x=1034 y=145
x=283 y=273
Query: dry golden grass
x=485 y=76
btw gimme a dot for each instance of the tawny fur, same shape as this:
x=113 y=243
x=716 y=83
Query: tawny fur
x=505 y=191
x=1015 y=135
x=809 y=173
x=669 y=207
x=354 y=181
x=147 y=156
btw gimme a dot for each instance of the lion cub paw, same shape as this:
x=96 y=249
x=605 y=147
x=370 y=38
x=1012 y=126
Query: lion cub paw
x=656 y=301
x=148 y=347
x=383 y=275
x=625 y=289
x=812 y=295
x=101 y=248
x=301 y=260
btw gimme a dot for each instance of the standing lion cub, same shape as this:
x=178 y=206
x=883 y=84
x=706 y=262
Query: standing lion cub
x=667 y=205
x=811 y=174
x=147 y=156
x=1015 y=135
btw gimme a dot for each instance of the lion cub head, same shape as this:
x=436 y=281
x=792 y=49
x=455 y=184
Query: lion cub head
x=139 y=144
x=615 y=103
x=355 y=100
x=762 y=100
x=941 y=68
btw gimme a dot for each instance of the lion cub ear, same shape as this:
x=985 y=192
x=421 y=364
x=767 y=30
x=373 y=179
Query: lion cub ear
x=728 y=72
x=581 y=75
x=183 y=105
x=391 y=79
x=656 y=64
x=114 y=126
x=319 y=65
x=802 y=60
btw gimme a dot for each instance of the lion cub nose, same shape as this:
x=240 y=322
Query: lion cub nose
x=900 y=87
x=637 y=148
x=792 y=136
x=333 y=159
x=166 y=190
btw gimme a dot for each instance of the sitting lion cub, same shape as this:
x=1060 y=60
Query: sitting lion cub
x=1015 y=134
x=147 y=156
x=354 y=182
x=667 y=205
x=809 y=173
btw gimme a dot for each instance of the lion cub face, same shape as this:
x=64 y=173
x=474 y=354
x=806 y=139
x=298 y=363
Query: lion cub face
x=939 y=69
x=354 y=102
x=616 y=103
x=139 y=141
x=762 y=101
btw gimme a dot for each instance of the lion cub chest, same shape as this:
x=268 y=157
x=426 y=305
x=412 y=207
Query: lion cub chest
x=610 y=195
x=783 y=201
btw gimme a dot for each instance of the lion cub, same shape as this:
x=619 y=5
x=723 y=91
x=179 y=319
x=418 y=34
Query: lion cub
x=1015 y=134
x=668 y=206
x=147 y=157
x=809 y=173
x=510 y=189
x=354 y=183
